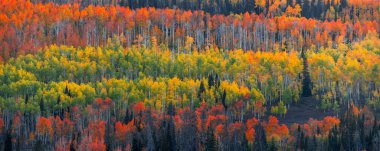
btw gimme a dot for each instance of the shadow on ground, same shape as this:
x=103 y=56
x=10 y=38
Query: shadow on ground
x=302 y=111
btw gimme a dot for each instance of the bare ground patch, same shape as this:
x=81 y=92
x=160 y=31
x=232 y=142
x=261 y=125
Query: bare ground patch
x=302 y=111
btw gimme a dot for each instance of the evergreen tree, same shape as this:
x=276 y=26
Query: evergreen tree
x=136 y=144
x=333 y=143
x=260 y=138
x=211 y=81
x=67 y=91
x=108 y=137
x=201 y=91
x=211 y=144
x=8 y=142
x=272 y=146
x=298 y=138
x=38 y=146
x=128 y=116
x=171 y=109
x=303 y=141
x=168 y=137
x=306 y=143
x=314 y=143
x=306 y=81
x=42 y=107
x=224 y=99
x=72 y=147
x=217 y=81
x=26 y=99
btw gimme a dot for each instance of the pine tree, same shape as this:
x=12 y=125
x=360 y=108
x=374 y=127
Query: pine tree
x=59 y=112
x=272 y=146
x=38 y=146
x=201 y=91
x=67 y=91
x=217 y=81
x=136 y=144
x=211 y=81
x=298 y=138
x=260 y=138
x=314 y=143
x=42 y=107
x=306 y=81
x=168 y=136
x=306 y=143
x=171 y=109
x=211 y=141
x=302 y=141
x=72 y=147
x=8 y=142
x=128 y=116
x=108 y=137
x=26 y=99
x=224 y=99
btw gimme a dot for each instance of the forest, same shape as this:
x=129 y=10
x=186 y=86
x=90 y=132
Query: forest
x=186 y=75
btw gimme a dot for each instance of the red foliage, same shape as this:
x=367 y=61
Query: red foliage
x=97 y=129
x=201 y=113
x=250 y=135
x=1 y=124
x=63 y=127
x=328 y=123
x=44 y=127
x=138 y=108
x=122 y=130
x=235 y=129
x=273 y=129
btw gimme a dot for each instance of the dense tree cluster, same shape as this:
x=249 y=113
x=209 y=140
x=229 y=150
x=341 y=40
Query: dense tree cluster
x=343 y=76
x=156 y=76
x=188 y=75
x=26 y=27
x=318 y=9
x=65 y=97
x=99 y=127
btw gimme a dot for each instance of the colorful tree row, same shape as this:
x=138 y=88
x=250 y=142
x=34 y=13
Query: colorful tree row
x=97 y=127
x=26 y=27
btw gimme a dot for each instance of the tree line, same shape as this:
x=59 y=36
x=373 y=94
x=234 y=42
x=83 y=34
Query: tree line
x=105 y=97
x=27 y=27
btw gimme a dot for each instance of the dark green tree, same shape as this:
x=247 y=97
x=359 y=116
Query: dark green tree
x=272 y=145
x=224 y=100
x=211 y=81
x=260 y=138
x=211 y=144
x=201 y=91
x=38 y=146
x=8 y=142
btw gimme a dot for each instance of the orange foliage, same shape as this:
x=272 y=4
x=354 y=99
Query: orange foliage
x=219 y=129
x=274 y=130
x=138 y=107
x=250 y=135
x=251 y=123
x=44 y=127
x=328 y=123
x=97 y=129
x=122 y=130
x=235 y=128
x=98 y=23
x=250 y=132
x=97 y=145
x=355 y=110
x=63 y=127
